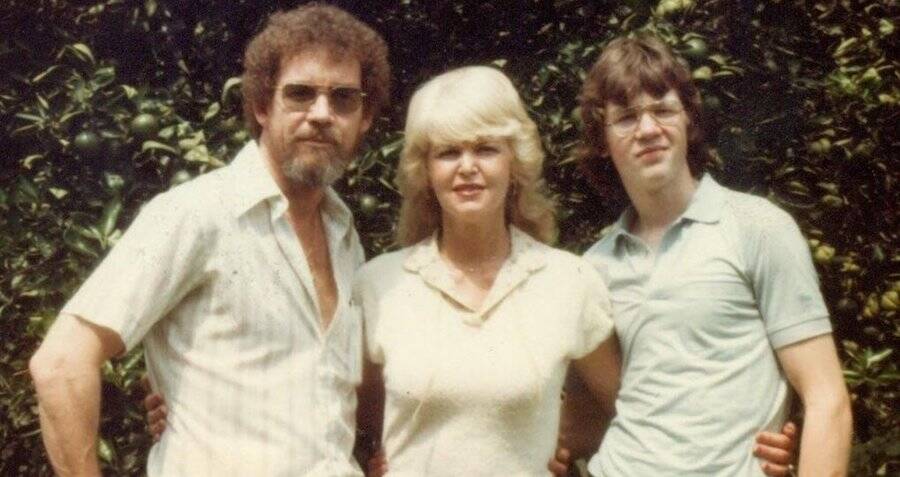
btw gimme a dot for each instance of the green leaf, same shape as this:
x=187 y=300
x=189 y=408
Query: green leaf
x=130 y=91
x=29 y=117
x=106 y=451
x=43 y=74
x=231 y=83
x=157 y=146
x=110 y=215
x=211 y=111
x=82 y=52
x=844 y=47
x=74 y=240
x=103 y=77
x=877 y=357
x=28 y=161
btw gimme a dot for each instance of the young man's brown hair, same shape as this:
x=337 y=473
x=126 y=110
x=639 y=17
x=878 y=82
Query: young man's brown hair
x=314 y=24
x=626 y=68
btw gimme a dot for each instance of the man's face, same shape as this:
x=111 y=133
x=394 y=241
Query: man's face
x=313 y=123
x=647 y=140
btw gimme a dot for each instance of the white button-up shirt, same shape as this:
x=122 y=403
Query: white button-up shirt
x=477 y=393
x=214 y=282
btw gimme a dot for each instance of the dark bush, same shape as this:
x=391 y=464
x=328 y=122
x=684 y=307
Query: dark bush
x=106 y=103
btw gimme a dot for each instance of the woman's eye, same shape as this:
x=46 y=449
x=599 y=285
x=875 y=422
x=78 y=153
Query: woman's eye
x=447 y=154
x=486 y=149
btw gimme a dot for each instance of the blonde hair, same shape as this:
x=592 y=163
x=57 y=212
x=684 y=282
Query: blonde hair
x=465 y=105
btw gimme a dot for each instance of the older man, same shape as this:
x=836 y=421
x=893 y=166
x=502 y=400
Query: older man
x=715 y=298
x=237 y=283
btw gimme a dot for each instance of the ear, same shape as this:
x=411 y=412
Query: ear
x=367 y=119
x=262 y=116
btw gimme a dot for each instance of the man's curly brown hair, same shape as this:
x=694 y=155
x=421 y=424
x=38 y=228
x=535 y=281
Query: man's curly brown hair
x=290 y=32
x=626 y=68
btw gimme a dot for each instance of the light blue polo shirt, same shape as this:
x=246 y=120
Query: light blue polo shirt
x=699 y=323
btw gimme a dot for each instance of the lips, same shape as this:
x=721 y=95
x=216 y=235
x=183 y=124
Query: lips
x=468 y=189
x=650 y=150
x=318 y=141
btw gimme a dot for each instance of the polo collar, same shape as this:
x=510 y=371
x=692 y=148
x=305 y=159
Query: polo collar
x=707 y=202
x=705 y=206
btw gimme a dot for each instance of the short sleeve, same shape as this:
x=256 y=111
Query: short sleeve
x=366 y=306
x=784 y=280
x=156 y=262
x=595 y=323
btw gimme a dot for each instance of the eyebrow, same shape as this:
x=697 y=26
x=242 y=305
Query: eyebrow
x=301 y=83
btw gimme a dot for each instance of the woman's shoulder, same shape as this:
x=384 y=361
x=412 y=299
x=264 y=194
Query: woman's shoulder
x=385 y=264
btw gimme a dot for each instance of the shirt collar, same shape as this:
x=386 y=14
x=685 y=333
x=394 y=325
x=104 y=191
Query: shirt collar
x=706 y=204
x=524 y=252
x=255 y=185
x=254 y=182
x=525 y=258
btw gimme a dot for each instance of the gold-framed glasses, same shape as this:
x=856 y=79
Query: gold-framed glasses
x=299 y=97
x=623 y=122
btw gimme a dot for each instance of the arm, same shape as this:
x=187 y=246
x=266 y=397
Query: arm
x=588 y=405
x=600 y=373
x=66 y=375
x=813 y=370
x=370 y=420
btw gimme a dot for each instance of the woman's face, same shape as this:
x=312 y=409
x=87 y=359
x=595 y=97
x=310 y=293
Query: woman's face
x=471 y=179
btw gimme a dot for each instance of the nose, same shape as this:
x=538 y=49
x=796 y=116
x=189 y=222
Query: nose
x=320 y=111
x=646 y=126
x=467 y=165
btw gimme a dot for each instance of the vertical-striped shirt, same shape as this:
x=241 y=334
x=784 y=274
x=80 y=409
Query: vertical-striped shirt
x=214 y=282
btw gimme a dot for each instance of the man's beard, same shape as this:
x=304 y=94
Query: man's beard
x=326 y=167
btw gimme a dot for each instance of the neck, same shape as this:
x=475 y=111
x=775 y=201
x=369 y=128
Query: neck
x=657 y=209
x=474 y=245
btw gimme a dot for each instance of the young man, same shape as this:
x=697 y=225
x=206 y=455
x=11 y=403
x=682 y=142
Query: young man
x=238 y=283
x=715 y=298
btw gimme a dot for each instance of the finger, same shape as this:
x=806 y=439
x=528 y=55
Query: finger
x=145 y=384
x=152 y=401
x=157 y=429
x=158 y=414
x=773 y=470
x=557 y=468
x=563 y=455
x=777 y=440
x=789 y=429
x=773 y=455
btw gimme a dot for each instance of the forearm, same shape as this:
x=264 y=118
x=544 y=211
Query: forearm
x=825 y=445
x=69 y=404
x=813 y=370
x=66 y=375
x=584 y=418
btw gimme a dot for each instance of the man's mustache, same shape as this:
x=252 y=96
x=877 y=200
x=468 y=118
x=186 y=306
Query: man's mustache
x=321 y=136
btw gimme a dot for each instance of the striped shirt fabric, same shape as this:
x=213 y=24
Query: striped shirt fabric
x=213 y=281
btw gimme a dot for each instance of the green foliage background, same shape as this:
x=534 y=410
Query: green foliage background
x=802 y=99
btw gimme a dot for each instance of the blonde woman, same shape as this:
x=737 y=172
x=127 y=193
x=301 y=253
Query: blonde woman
x=471 y=328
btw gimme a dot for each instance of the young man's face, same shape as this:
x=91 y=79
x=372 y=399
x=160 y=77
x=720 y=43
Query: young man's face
x=647 y=141
x=315 y=119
